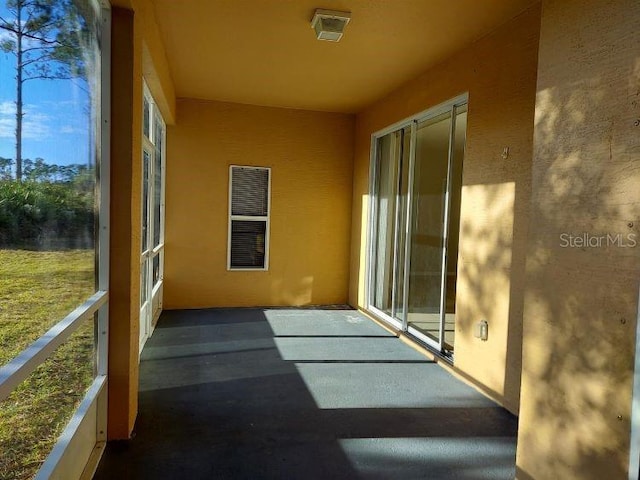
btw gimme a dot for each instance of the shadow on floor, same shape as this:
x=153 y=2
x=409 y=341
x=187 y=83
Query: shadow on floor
x=302 y=394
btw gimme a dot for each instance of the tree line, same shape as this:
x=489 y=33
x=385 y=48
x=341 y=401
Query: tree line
x=53 y=207
x=39 y=170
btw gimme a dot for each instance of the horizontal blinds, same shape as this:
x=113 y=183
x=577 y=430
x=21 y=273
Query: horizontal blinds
x=248 y=243
x=250 y=191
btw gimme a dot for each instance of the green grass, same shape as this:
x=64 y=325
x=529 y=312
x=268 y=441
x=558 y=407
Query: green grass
x=37 y=289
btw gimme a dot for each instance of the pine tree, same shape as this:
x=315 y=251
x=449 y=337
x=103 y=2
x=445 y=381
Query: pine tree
x=45 y=36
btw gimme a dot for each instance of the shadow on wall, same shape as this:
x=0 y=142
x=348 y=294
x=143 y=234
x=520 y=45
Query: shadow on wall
x=582 y=280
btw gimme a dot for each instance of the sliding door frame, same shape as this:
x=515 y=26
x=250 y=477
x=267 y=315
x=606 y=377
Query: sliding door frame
x=408 y=227
x=411 y=122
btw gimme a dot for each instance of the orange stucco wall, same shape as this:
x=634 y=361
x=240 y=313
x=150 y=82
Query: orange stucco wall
x=124 y=285
x=499 y=73
x=155 y=66
x=310 y=155
x=136 y=51
x=581 y=296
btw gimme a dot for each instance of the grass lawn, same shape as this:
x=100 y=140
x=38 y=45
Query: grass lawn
x=37 y=289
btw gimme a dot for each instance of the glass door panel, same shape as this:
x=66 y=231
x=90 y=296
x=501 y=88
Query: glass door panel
x=401 y=231
x=455 y=192
x=390 y=223
x=145 y=202
x=145 y=291
x=385 y=224
x=429 y=191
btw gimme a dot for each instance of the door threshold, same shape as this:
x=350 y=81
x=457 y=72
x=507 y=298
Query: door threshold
x=409 y=339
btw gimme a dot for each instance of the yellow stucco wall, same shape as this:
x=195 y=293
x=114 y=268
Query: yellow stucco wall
x=310 y=155
x=124 y=260
x=155 y=66
x=581 y=299
x=136 y=51
x=499 y=72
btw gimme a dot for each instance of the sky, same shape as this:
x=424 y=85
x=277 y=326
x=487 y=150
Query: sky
x=56 y=122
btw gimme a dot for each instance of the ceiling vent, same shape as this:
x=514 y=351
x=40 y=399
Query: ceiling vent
x=329 y=24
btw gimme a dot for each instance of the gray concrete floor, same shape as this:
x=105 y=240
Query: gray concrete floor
x=303 y=394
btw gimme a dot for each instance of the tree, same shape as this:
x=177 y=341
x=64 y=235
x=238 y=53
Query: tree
x=5 y=168
x=45 y=37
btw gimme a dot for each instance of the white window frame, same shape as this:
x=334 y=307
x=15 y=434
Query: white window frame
x=250 y=218
x=151 y=250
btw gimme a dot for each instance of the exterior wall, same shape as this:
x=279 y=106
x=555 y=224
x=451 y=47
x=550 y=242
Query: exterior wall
x=499 y=72
x=124 y=261
x=581 y=303
x=155 y=66
x=135 y=49
x=310 y=155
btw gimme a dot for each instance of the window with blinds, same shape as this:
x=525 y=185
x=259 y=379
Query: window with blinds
x=249 y=190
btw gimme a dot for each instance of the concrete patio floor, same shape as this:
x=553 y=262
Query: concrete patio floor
x=303 y=394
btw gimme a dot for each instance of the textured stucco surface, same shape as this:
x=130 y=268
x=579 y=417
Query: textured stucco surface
x=581 y=300
x=310 y=156
x=124 y=258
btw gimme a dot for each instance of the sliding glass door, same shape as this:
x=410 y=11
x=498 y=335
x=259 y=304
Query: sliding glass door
x=416 y=185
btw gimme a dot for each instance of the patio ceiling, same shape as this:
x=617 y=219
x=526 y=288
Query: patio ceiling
x=264 y=52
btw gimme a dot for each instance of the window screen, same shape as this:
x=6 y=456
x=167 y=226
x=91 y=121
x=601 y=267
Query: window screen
x=249 y=218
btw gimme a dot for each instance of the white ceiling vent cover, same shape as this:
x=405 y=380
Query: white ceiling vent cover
x=329 y=24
